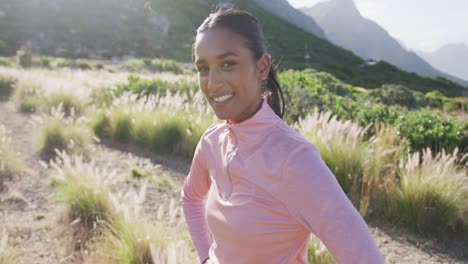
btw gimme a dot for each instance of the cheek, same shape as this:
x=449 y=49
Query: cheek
x=203 y=85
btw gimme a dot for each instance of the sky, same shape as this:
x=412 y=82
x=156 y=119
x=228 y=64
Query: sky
x=423 y=25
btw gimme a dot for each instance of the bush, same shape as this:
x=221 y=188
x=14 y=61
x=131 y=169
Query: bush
x=29 y=96
x=145 y=87
x=425 y=129
x=7 y=86
x=136 y=65
x=84 y=65
x=6 y=62
x=63 y=63
x=167 y=65
x=45 y=62
x=156 y=65
x=163 y=182
x=24 y=56
x=394 y=95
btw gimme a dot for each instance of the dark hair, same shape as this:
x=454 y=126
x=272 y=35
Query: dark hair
x=247 y=26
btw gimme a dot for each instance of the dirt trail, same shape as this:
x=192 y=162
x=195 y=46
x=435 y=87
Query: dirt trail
x=30 y=213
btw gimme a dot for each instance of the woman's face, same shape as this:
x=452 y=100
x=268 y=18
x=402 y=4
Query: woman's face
x=228 y=74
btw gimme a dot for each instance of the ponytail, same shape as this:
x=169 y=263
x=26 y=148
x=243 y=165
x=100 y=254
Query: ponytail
x=276 y=94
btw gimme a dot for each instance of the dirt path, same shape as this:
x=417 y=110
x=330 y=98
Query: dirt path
x=30 y=213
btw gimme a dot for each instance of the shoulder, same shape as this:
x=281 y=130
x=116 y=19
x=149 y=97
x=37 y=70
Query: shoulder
x=210 y=138
x=211 y=133
x=292 y=142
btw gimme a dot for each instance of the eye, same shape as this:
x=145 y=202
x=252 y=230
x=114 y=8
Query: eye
x=228 y=64
x=202 y=69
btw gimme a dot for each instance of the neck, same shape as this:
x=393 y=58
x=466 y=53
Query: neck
x=252 y=113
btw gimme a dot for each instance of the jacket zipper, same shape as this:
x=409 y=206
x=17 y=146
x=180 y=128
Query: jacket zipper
x=228 y=160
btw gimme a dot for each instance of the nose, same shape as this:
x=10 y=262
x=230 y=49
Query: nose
x=215 y=80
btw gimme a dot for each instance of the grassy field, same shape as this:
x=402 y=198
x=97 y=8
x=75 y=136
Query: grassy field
x=113 y=146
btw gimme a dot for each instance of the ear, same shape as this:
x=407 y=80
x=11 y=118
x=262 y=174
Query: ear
x=263 y=65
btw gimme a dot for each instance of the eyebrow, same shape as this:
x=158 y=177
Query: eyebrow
x=219 y=57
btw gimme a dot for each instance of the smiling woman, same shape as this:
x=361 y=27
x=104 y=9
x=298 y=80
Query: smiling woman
x=266 y=187
x=235 y=74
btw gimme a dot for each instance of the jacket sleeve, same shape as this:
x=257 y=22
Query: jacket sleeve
x=314 y=197
x=196 y=185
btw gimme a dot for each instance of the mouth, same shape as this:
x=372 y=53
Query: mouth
x=223 y=99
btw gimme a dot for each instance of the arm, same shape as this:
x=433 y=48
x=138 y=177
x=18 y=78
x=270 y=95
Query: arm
x=315 y=198
x=196 y=185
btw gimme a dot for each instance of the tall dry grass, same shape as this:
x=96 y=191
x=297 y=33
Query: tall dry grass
x=8 y=253
x=83 y=188
x=163 y=123
x=59 y=131
x=10 y=161
x=344 y=150
x=318 y=253
x=133 y=239
x=433 y=192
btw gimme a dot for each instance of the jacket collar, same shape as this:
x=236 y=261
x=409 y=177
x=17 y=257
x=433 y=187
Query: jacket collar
x=250 y=131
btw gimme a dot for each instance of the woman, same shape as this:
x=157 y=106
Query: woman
x=266 y=187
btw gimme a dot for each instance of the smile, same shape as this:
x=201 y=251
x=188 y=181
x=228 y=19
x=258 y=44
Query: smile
x=224 y=98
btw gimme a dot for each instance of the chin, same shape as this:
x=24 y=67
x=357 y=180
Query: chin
x=222 y=116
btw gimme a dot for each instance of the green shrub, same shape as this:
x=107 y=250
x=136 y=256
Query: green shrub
x=63 y=63
x=425 y=129
x=45 y=62
x=163 y=182
x=167 y=65
x=145 y=87
x=24 y=56
x=84 y=65
x=394 y=95
x=7 y=86
x=3 y=45
x=136 y=65
x=6 y=62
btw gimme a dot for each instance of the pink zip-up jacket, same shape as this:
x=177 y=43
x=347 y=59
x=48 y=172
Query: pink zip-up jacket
x=267 y=188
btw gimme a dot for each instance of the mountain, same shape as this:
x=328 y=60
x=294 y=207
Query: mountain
x=345 y=26
x=166 y=28
x=451 y=58
x=283 y=9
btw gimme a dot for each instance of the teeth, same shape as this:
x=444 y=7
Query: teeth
x=223 y=98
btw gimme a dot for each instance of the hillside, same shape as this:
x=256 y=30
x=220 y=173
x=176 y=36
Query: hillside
x=122 y=29
x=345 y=26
